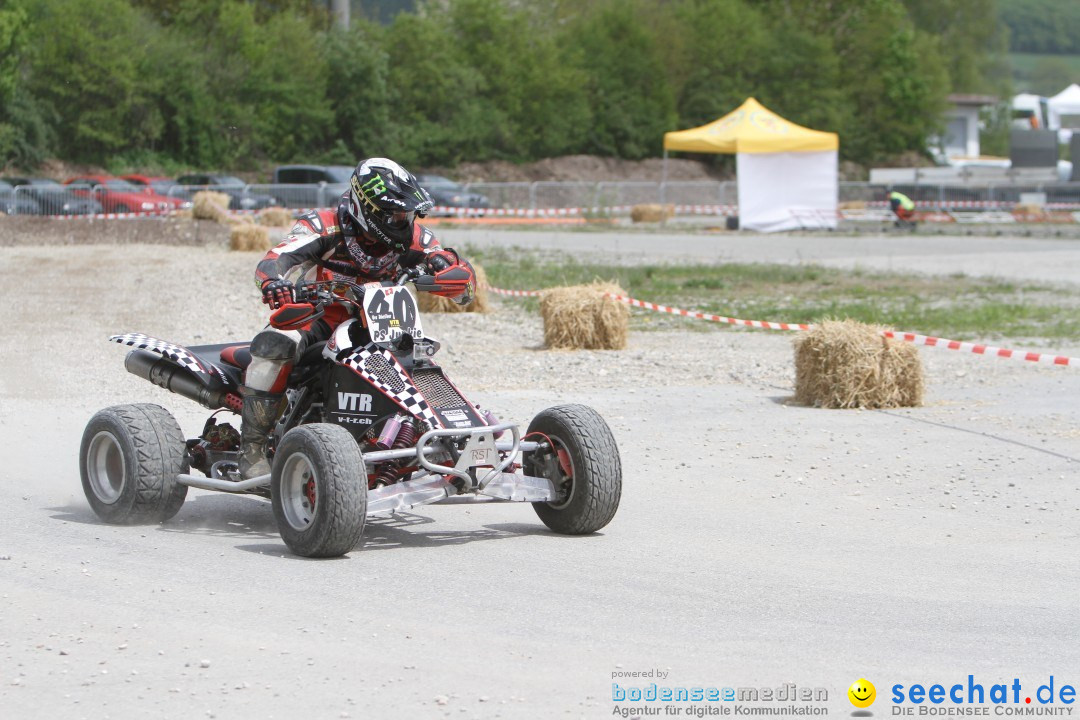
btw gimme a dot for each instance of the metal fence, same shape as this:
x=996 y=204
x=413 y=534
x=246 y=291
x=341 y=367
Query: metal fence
x=720 y=197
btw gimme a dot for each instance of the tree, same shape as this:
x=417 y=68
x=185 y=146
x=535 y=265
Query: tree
x=971 y=40
x=632 y=101
x=1042 y=26
x=359 y=94
x=89 y=80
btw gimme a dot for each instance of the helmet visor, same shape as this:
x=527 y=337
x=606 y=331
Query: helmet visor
x=400 y=220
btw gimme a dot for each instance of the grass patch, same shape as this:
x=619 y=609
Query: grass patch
x=956 y=306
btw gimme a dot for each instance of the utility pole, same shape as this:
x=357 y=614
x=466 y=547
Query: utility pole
x=339 y=9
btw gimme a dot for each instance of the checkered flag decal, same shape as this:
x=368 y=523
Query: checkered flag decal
x=409 y=398
x=180 y=356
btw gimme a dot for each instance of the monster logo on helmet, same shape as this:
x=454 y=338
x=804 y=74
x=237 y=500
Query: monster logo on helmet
x=384 y=199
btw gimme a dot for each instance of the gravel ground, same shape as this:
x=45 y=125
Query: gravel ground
x=758 y=542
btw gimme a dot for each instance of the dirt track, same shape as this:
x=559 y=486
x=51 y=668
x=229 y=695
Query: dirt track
x=758 y=543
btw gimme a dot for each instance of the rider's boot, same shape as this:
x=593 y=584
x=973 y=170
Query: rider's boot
x=264 y=398
x=261 y=411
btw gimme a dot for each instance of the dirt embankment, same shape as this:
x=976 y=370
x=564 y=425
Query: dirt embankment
x=585 y=168
x=27 y=230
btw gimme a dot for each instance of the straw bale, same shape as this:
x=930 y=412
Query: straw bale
x=651 y=213
x=437 y=304
x=247 y=236
x=581 y=317
x=275 y=217
x=209 y=205
x=847 y=364
x=1030 y=213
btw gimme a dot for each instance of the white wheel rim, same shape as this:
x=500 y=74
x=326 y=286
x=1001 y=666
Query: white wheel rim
x=105 y=467
x=296 y=504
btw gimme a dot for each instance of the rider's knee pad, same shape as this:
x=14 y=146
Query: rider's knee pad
x=272 y=345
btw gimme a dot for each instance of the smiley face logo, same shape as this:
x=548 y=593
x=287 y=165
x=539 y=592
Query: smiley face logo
x=862 y=693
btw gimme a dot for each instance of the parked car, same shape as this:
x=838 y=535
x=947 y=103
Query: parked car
x=234 y=187
x=120 y=196
x=52 y=198
x=161 y=185
x=16 y=204
x=447 y=193
x=311 y=186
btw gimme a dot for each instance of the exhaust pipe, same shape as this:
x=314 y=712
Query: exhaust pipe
x=164 y=373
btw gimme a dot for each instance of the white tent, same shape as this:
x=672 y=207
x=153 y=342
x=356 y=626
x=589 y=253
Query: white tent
x=1063 y=110
x=787 y=174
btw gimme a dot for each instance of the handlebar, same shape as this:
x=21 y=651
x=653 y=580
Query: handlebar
x=323 y=291
x=311 y=298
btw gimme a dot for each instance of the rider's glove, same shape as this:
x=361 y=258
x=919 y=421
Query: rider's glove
x=454 y=277
x=277 y=292
x=439 y=260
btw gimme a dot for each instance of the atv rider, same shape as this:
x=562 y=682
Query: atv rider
x=371 y=236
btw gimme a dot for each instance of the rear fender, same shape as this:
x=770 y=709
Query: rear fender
x=207 y=373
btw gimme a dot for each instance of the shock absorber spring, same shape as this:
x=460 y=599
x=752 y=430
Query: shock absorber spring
x=406 y=436
x=390 y=472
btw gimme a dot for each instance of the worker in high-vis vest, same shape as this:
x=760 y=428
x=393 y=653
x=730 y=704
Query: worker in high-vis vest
x=903 y=207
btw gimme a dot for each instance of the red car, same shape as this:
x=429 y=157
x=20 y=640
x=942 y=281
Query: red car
x=120 y=196
x=161 y=185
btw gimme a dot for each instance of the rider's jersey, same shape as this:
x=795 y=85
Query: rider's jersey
x=318 y=239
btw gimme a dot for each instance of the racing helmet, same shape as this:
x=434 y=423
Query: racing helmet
x=384 y=199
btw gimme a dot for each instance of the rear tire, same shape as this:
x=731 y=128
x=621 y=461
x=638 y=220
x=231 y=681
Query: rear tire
x=593 y=485
x=318 y=488
x=129 y=459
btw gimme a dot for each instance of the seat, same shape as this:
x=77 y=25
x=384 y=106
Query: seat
x=238 y=356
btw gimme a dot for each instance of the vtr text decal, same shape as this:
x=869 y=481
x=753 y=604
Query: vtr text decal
x=355 y=402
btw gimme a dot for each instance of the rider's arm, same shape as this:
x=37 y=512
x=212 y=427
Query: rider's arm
x=304 y=243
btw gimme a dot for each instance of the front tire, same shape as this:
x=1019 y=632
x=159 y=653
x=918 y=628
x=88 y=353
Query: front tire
x=129 y=459
x=584 y=464
x=318 y=488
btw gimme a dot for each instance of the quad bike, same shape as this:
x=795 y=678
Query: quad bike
x=372 y=426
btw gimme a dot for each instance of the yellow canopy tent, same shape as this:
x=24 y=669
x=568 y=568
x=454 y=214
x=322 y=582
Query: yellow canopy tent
x=787 y=173
x=752 y=128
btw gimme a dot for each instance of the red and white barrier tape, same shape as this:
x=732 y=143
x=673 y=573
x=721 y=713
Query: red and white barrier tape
x=515 y=293
x=105 y=216
x=1027 y=355
x=673 y=311
x=573 y=211
x=914 y=338
x=765 y=324
x=975 y=204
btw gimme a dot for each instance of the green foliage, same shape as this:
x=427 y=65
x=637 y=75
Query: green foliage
x=632 y=105
x=716 y=57
x=12 y=41
x=359 y=69
x=972 y=42
x=91 y=82
x=243 y=83
x=1042 y=26
x=24 y=133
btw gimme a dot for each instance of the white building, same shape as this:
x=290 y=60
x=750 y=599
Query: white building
x=961 y=138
